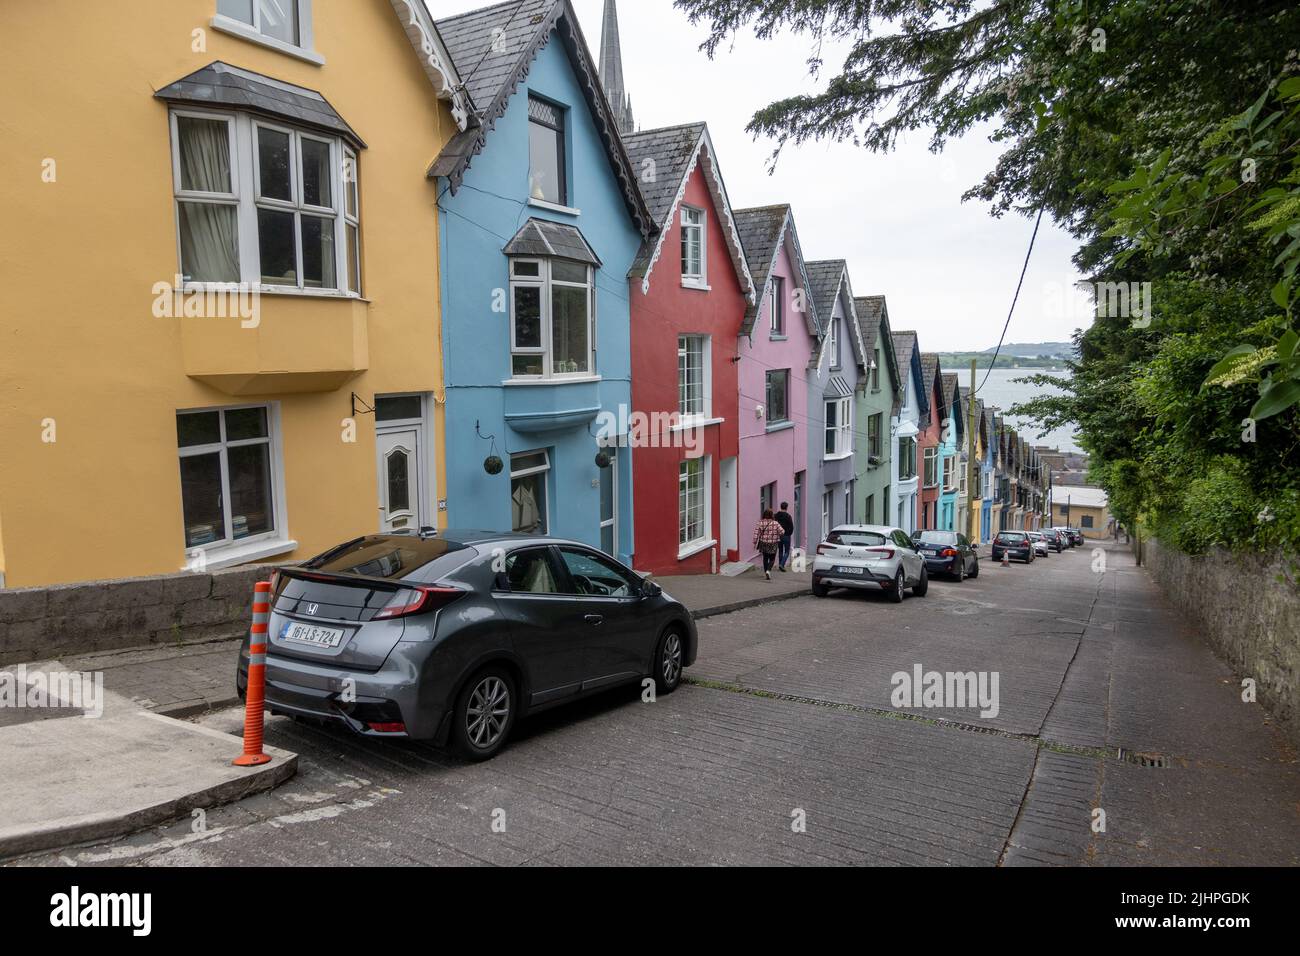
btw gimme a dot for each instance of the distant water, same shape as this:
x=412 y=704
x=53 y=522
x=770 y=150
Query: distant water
x=1002 y=390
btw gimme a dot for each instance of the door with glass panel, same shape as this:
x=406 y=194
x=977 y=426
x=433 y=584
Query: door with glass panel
x=399 y=447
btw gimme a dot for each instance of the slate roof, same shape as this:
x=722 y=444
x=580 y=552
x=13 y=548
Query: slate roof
x=670 y=150
x=220 y=84
x=904 y=345
x=929 y=369
x=951 y=387
x=825 y=276
x=873 y=315
x=493 y=50
x=762 y=230
x=542 y=237
x=662 y=161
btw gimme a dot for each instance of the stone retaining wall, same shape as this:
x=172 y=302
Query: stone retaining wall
x=49 y=622
x=1250 y=618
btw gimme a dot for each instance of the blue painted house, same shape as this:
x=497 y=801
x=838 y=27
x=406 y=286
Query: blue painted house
x=950 y=444
x=541 y=219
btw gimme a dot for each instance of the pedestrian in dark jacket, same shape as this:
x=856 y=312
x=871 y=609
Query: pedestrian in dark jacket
x=767 y=538
x=786 y=521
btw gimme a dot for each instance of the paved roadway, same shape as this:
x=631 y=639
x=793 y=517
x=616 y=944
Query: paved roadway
x=786 y=749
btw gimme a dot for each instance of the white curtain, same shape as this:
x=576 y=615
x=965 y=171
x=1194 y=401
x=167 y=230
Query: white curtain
x=209 y=231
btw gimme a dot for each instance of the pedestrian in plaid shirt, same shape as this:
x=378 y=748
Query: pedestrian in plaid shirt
x=767 y=538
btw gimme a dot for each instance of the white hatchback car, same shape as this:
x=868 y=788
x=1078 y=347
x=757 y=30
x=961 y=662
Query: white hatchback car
x=1040 y=544
x=869 y=557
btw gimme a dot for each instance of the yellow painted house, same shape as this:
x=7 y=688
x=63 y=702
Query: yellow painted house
x=219 y=333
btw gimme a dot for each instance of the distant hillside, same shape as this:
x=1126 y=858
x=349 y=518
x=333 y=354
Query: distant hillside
x=955 y=361
x=1035 y=349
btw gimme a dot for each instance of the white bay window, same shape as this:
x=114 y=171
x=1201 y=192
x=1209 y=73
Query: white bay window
x=264 y=204
x=552 y=324
x=839 y=428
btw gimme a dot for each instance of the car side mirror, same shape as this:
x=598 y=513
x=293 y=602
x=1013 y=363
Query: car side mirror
x=650 y=589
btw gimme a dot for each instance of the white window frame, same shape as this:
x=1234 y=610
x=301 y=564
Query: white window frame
x=698 y=280
x=245 y=189
x=834 y=344
x=929 y=455
x=842 y=429
x=951 y=478
x=910 y=474
x=705 y=413
x=266 y=543
x=544 y=470
x=786 y=418
x=848 y=502
x=546 y=282
x=826 y=514
x=685 y=548
x=776 y=306
x=304 y=49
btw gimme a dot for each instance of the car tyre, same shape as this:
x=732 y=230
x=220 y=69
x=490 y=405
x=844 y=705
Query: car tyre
x=900 y=585
x=922 y=585
x=670 y=657
x=961 y=571
x=483 y=718
x=975 y=571
x=820 y=590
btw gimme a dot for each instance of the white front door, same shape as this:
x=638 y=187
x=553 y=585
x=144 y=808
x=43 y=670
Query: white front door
x=400 y=502
x=728 y=503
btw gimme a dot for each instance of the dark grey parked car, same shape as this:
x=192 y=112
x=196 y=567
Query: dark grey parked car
x=451 y=637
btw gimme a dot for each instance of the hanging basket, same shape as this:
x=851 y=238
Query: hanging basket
x=493 y=465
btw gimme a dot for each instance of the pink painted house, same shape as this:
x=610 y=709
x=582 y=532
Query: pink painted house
x=777 y=346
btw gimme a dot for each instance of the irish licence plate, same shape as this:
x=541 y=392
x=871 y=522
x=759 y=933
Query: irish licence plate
x=844 y=570
x=298 y=633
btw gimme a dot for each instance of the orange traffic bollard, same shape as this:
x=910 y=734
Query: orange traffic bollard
x=1006 y=559
x=255 y=694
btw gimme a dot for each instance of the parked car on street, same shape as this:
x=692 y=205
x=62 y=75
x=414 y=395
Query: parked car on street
x=1015 y=545
x=453 y=636
x=1067 y=537
x=948 y=552
x=1040 y=543
x=1055 y=540
x=869 y=557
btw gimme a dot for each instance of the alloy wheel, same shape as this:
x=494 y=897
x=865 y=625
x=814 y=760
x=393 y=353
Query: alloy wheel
x=671 y=664
x=488 y=711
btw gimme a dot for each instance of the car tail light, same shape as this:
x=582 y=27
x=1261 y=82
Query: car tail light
x=824 y=548
x=391 y=728
x=418 y=600
x=886 y=552
x=948 y=553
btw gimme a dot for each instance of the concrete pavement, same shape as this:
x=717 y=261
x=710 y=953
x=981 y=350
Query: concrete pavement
x=104 y=767
x=786 y=749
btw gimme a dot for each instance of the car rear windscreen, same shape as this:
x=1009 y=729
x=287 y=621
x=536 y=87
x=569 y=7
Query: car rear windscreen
x=937 y=537
x=856 y=539
x=394 y=558
x=1011 y=537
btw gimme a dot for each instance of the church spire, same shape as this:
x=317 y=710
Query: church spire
x=611 y=69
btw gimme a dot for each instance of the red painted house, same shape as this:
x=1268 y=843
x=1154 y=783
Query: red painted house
x=690 y=289
x=929 y=461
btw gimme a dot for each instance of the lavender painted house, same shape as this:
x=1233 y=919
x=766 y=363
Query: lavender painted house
x=778 y=353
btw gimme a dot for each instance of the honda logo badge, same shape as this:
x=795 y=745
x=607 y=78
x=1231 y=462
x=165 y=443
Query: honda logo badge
x=312 y=609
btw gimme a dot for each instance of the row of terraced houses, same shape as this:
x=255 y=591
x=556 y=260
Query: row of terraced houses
x=290 y=272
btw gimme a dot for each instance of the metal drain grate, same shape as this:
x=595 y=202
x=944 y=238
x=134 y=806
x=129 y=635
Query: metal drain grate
x=1155 y=761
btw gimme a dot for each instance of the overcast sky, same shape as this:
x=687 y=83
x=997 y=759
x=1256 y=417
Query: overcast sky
x=947 y=268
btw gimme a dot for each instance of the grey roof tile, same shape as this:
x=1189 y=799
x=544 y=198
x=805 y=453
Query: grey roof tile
x=220 y=84
x=542 y=237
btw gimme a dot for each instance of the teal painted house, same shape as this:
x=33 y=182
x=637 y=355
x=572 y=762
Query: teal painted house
x=541 y=219
x=951 y=438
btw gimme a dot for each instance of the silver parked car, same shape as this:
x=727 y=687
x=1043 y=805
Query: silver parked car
x=869 y=557
x=1040 y=543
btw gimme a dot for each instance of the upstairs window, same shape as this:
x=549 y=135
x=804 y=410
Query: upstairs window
x=839 y=428
x=778 y=396
x=692 y=376
x=931 y=477
x=551 y=329
x=875 y=425
x=277 y=19
x=693 y=271
x=875 y=372
x=264 y=204
x=835 y=343
x=776 y=305
x=546 y=171
x=906 y=459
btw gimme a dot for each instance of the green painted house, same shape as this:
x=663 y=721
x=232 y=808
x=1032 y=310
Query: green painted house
x=875 y=404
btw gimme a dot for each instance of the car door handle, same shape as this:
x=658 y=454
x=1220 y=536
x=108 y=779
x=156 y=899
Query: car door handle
x=594 y=618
